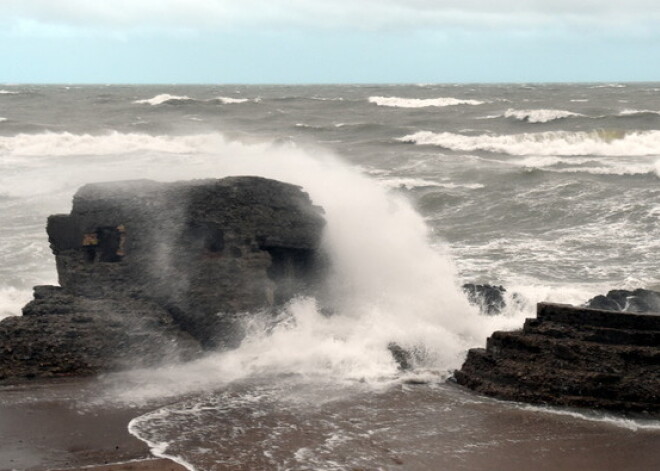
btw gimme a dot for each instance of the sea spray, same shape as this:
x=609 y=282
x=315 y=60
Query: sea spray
x=387 y=284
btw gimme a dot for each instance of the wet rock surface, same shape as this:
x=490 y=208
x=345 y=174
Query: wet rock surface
x=639 y=300
x=151 y=272
x=489 y=298
x=572 y=356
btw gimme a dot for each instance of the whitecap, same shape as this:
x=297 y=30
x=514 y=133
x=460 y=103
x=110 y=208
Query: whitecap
x=230 y=101
x=398 y=102
x=162 y=98
x=633 y=112
x=540 y=115
x=560 y=143
x=8 y=92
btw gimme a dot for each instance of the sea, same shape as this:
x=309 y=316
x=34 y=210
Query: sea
x=549 y=190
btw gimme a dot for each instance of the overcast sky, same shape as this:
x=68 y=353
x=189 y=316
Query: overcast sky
x=328 y=41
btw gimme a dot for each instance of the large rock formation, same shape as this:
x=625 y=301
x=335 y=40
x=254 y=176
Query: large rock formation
x=572 y=356
x=151 y=271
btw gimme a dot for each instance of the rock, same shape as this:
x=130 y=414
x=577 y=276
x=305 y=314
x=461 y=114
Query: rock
x=403 y=357
x=489 y=298
x=572 y=356
x=150 y=269
x=639 y=300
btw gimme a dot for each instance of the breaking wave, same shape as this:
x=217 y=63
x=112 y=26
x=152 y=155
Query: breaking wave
x=540 y=116
x=2 y=119
x=631 y=112
x=163 y=98
x=377 y=299
x=420 y=103
x=166 y=98
x=8 y=92
x=69 y=144
x=560 y=143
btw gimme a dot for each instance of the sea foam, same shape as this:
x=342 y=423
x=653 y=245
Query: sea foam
x=559 y=143
x=541 y=115
x=398 y=102
x=163 y=98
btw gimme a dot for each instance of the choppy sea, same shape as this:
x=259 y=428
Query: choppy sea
x=552 y=191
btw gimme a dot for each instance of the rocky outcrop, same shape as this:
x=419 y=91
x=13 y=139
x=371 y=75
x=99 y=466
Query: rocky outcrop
x=151 y=271
x=639 y=300
x=572 y=356
x=489 y=298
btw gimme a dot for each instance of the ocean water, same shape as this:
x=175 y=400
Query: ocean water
x=550 y=190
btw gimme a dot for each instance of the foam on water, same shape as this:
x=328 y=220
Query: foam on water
x=632 y=112
x=162 y=98
x=560 y=143
x=229 y=101
x=398 y=102
x=541 y=115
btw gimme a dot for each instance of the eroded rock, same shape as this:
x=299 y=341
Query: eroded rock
x=151 y=271
x=572 y=356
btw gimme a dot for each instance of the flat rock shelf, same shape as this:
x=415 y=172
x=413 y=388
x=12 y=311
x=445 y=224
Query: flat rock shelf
x=572 y=356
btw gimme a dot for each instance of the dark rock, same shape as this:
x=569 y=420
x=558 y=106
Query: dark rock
x=571 y=356
x=489 y=298
x=149 y=269
x=402 y=356
x=639 y=300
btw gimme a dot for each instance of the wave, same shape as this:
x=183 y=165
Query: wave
x=590 y=165
x=398 y=102
x=560 y=143
x=609 y=85
x=114 y=143
x=166 y=98
x=163 y=98
x=8 y=92
x=413 y=304
x=230 y=101
x=541 y=115
x=2 y=119
x=411 y=183
x=633 y=112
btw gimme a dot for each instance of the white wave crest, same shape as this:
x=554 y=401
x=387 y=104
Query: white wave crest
x=68 y=144
x=2 y=119
x=540 y=116
x=410 y=183
x=633 y=112
x=8 y=92
x=167 y=98
x=609 y=85
x=560 y=143
x=162 y=98
x=230 y=101
x=398 y=102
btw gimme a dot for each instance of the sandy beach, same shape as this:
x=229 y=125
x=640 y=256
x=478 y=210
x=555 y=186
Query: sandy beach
x=43 y=427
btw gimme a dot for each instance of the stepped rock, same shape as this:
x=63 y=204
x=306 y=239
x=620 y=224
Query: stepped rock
x=571 y=356
x=157 y=271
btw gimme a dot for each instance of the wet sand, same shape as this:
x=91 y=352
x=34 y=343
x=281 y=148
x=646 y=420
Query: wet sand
x=60 y=426
x=43 y=427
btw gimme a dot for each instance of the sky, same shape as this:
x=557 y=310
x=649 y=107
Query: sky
x=329 y=41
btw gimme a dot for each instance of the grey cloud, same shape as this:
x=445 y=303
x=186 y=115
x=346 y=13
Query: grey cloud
x=360 y=14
